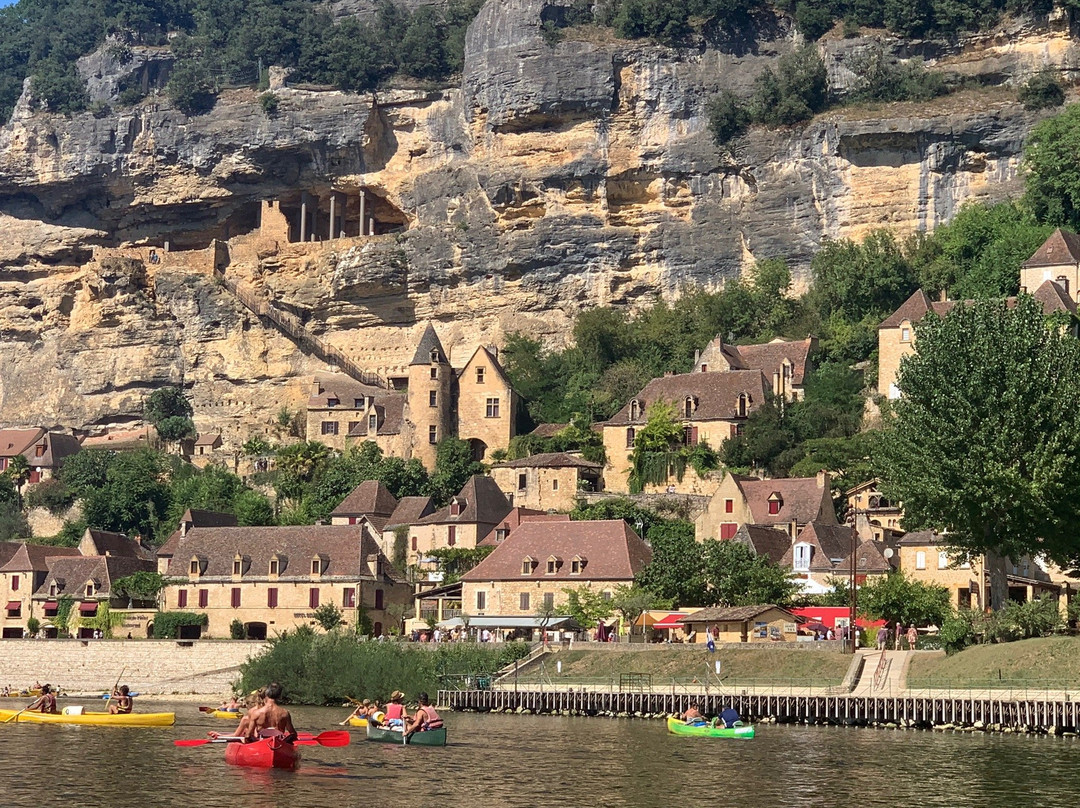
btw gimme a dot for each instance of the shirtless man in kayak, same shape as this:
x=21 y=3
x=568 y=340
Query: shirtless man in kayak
x=123 y=703
x=267 y=720
x=693 y=714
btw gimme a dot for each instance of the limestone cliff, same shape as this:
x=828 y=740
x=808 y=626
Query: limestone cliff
x=556 y=177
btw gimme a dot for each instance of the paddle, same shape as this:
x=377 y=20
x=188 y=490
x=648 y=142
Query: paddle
x=116 y=685
x=329 y=738
x=23 y=710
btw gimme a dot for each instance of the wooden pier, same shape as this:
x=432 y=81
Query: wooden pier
x=1047 y=715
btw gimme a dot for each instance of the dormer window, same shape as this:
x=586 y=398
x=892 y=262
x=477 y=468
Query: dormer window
x=801 y=557
x=689 y=405
x=358 y=404
x=238 y=566
x=704 y=368
x=577 y=564
x=501 y=533
x=373 y=423
x=316 y=566
x=553 y=564
x=89 y=589
x=480 y=375
x=1063 y=282
x=194 y=567
x=53 y=591
x=635 y=410
x=332 y=402
x=434 y=355
x=527 y=564
x=275 y=566
x=455 y=508
x=741 y=405
x=776 y=502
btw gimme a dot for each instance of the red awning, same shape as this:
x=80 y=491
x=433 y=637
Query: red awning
x=670 y=621
x=14 y=605
x=52 y=604
x=88 y=607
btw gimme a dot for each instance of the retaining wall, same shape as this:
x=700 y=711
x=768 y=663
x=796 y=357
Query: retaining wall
x=160 y=667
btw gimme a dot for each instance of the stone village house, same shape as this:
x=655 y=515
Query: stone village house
x=738 y=624
x=790 y=503
x=547 y=482
x=43 y=450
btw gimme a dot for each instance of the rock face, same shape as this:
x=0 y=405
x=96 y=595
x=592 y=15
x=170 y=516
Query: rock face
x=557 y=177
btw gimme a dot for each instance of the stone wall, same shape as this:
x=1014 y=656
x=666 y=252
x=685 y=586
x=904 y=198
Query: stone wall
x=158 y=667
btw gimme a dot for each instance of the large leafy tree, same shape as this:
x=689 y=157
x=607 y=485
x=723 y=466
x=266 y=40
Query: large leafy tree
x=454 y=465
x=985 y=443
x=169 y=410
x=1053 y=173
x=898 y=599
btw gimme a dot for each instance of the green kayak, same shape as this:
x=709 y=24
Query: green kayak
x=432 y=737
x=680 y=727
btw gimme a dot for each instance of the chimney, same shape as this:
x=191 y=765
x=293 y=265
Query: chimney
x=943 y=295
x=316 y=388
x=794 y=530
x=669 y=373
x=823 y=479
x=697 y=356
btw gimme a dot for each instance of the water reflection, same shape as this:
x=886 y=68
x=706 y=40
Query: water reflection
x=540 y=761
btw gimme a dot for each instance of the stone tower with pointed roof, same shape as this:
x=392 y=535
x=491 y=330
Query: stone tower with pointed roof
x=1057 y=260
x=429 y=398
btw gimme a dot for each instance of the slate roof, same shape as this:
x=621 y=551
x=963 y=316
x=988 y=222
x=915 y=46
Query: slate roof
x=921 y=537
x=548 y=430
x=870 y=561
x=803 y=499
x=915 y=308
x=610 y=549
x=57 y=446
x=1061 y=247
x=370 y=498
x=480 y=501
x=390 y=407
x=410 y=511
x=717 y=395
x=549 y=460
x=341 y=546
x=106 y=543
x=768 y=357
x=71 y=574
x=1054 y=299
x=429 y=342
x=195 y=518
x=831 y=545
x=764 y=540
x=733 y=614
x=514 y=520
x=8 y=549
x=34 y=557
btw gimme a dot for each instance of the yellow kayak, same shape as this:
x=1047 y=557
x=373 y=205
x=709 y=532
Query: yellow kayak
x=225 y=714
x=357 y=722
x=94 y=719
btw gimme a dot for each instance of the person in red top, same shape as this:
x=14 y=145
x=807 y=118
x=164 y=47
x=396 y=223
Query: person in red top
x=46 y=702
x=426 y=718
x=395 y=710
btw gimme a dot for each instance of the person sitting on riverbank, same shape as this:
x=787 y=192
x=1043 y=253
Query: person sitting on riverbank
x=693 y=714
x=425 y=719
x=124 y=703
x=45 y=703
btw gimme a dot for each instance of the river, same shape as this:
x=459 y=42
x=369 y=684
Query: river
x=540 y=761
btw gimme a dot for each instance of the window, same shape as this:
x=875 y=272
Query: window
x=329 y=427
x=729 y=506
x=354 y=426
x=523 y=601
x=39 y=450
x=14 y=609
x=433 y=398
x=434 y=354
x=549 y=601
x=89 y=590
x=332 y=402
x=480 y=374
x=455 y=507
x=920 y=560
x=776 y=502
x=204 y=597
x=434 y=373
x=740 y=429
x=53 y=590
x=433 y=435
x=552 y=566
x=348 y=597
x=481 y=601
x=235 y=597
x=554 y=485
x=493 y=408
x=358 y=403
x=313 y=598
x=194 y=568
x=523 y=481
x=181 y=599
x=942 y=561
x=704 y=368
x=414 y=543
x=237 y=567
x=373 y=423
x=606 y=595
x=740 y=406
x=271 y=598
x=690 y=435
x=630 y=437
x=14 y=583
x=575 y=566
x=527 y=566
x=316 y=566
x=801 y=557
x=635 y=409
x=905 y=335
x=379 y=599
x=728 y=530
x=275 y=566
x=451 y=535
x=688 y=407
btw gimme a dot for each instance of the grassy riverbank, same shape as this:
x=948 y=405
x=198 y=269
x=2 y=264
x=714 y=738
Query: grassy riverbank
x=744 y=665
x=1045 y=662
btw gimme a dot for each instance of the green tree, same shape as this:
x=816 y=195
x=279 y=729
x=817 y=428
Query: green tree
x=134 y=497
x=677 y=569
x=169 y=410
x=736 y=577
x=140 y=586
x=257 y=446
x=328 y=616
x=632 y=601
x=191 y=87
x=87 y=471
x=1053 y=172
x=985 y=443
x=1042 y=91
x=454 y=465
x=897 y=599
x=18 y=471
x=587 y=607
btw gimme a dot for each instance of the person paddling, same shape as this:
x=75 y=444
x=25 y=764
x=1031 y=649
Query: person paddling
x=693 y=714
x=275 y=720
x=45 y=703
x=363 y=709
x=230 y=705
x=425 y=719
x=124 y=703
x=247 y=729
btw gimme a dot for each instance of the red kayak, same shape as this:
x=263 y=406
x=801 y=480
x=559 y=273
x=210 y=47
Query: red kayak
x=267 y=753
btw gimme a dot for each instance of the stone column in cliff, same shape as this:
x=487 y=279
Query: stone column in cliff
x=363 y=212
x=333 y=215
x=303 y=216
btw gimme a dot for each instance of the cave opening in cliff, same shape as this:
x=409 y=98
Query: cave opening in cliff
x=241 y=220
x=327 y=215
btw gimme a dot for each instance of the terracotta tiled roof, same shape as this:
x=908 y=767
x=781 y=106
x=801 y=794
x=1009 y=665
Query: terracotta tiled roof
x=71 y=574
x=34 y=557
x=548 y=430
x=480 y=501
x=514 y=519
x=1062 y=247
x=17 y=441
x=764 y=540
x=410 y=511
x=804 y=499
x=717 y=395
x=346 y=550
x=769 y=357
x=871 y=560
x=610 y=549
x=126 y=439
x=370 y=498
x=732 y=614
x=915 y=308
x=429 y=341
x=549 y=460
x=195 y=518
x=1054 y=299
x=830 y=543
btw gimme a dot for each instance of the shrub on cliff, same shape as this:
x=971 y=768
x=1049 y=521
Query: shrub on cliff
x=191 y=87
x=1042 y=91
x=881 y=79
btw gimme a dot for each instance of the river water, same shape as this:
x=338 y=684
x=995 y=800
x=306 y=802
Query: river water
x=539 y=761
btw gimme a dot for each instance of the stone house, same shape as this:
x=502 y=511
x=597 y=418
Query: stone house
x=370 y=499
x=89 y=580
x=784 y=364
x=515 y=519
x=711 y=407
x=431 y=401
x=45 y=451
x=822 y=552
x=547 y=482
x=410 y=511
x=534 y=566
x=873 y=515
x=790 y=502
x=737 y=624
x=1057 y=260
x=274 y=578
x=23 y=568
x=765 y=540
x=117 y=545
x=469 y=517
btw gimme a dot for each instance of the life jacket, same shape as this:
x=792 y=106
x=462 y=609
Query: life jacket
x=394 y=711
x=433 y=721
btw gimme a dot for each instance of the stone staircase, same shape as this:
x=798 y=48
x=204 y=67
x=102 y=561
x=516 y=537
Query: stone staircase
x=884 y=674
